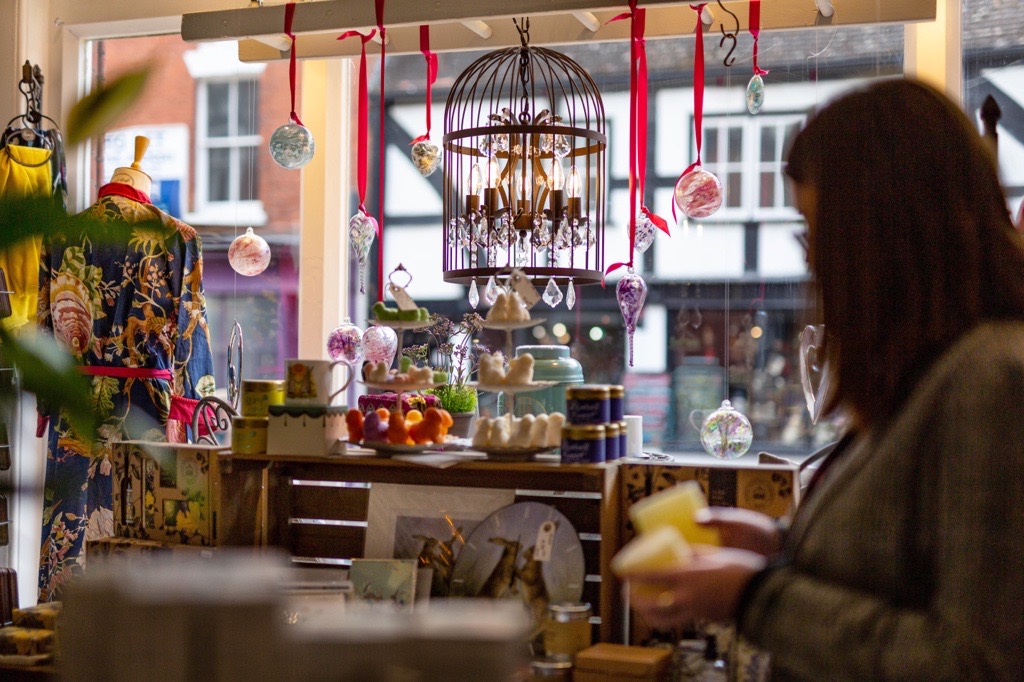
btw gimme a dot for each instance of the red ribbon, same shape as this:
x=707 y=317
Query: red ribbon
x=637 y=128
x=289 y=14
x=698 y=95
x=379 y=8
x=363 y=116
x=124 y=190
x=431 y=74
x=754 y=22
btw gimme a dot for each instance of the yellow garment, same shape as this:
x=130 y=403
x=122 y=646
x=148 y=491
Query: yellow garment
x=24 y=172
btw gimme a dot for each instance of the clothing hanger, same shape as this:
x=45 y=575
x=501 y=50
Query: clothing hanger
x=31 y=133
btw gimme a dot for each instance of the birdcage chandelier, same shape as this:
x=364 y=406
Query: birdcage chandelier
x=524 y=162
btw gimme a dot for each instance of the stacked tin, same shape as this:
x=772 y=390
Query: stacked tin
x=595 y=430
x=249 y=431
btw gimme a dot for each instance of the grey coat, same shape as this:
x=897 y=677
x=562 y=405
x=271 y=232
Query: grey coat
x=908 y=561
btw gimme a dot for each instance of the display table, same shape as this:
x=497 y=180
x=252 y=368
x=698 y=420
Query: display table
x=316 y=507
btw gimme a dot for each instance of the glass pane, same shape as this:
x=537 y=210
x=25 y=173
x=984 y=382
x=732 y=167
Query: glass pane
x=768 y=143
x=767 y=190
x=787 y=193
x=248 y=174
x=735 y=144
x=734 y=190
x=710 y=147
x=219 y=171
x=217 y=101
x=248 y=108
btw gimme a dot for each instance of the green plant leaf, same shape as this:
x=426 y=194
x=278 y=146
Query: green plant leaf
x=98 y=110
x=50 y=373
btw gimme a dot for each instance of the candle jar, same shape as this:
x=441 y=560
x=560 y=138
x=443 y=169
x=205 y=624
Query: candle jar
x=566 y=630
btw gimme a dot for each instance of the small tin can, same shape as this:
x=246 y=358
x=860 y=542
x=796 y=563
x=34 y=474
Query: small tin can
x=617 y=396
x=583 y=444
x=258 y=396
x=612 y=446
x=567 y=630
x=623 y=430
x=551 y=670
x=249 y=435
x=588 y=404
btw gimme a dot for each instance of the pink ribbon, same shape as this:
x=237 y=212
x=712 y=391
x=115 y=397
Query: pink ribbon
x=754 y=22
x=289 y=14
x=431 y=75
x=698 y=95
x=637 y=128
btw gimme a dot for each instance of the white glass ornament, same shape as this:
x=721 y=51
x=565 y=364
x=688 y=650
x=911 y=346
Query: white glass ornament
x=726 y=433
x=249 y=254
x=292 y=146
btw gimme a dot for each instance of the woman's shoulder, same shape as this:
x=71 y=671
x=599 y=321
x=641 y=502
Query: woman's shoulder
x=989 y=355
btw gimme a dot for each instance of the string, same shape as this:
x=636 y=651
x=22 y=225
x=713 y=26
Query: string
x=698 y=94
x=289 y=14
x=379 y=7
x=727 y=341
x=431 y=59
x=754 y=23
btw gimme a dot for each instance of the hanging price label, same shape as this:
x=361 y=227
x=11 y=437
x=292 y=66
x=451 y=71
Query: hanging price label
x=545 y=541
x=402 y=297
x=524 y=287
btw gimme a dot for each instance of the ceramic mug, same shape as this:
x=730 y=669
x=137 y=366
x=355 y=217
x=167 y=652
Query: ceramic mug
x=311 y=382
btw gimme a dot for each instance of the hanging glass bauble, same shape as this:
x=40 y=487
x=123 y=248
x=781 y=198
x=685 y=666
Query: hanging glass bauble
x=474 y=294
x=570 y=295
x=380 y=344
x=345 y=343
x=755 y=94
x=562 y=147
x=552 y=294
x=291 y=146
x=726 y=433
x=362 y=229
x=644 y=232
x=426 y=156
x=249 y=254
x=631 y=292
x=698 y=193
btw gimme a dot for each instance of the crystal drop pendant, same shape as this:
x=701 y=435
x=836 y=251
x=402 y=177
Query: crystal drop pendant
x=570 y=295
x=755 y=94
x=491 y=291
x=552 y=294
x=474 y=295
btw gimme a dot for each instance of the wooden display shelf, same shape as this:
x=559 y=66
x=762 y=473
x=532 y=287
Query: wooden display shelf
x=307 y=512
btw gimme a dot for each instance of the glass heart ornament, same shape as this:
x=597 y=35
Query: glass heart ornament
x=380 y=344
x=249 y=254
x=698 y=193
x=362 y=229
x=644 y=232
x=292 y=146
x=426 y=156
x=814 y=370
x=345 y=343
x=726 y=433
x=631 y=292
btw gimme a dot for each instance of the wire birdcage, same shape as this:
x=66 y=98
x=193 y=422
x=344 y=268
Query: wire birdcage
x=524 y=162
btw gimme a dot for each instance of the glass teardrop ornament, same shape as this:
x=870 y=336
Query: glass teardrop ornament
x=474 y=295
x=755 y=94
x=552 y=294
x=491 y=291
x=570 y=295
x=631 y=292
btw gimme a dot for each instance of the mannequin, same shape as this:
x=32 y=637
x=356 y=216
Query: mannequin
x=133 y=314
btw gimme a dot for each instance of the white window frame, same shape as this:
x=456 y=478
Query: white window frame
x=232 y=210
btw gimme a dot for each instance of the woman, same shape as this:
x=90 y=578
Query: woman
x=906 y=557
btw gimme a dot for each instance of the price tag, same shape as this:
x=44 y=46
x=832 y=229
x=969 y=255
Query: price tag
x=522 y=286
x=402 y=298
x=545 y=541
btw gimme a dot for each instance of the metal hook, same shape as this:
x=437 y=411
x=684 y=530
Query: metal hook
x=729 y=59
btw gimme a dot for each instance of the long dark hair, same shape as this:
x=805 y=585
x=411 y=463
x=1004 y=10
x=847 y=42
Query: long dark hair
x=911 y=242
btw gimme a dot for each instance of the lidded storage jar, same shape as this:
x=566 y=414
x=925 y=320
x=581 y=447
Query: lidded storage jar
x=551 y=363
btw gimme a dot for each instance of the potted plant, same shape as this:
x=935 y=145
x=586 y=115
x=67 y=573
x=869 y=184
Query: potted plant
x=458 y=356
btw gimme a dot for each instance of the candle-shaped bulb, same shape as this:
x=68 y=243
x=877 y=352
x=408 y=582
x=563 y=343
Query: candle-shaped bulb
x=574 y=186
x=557 y=178
x=476 y=179
x=493 y=172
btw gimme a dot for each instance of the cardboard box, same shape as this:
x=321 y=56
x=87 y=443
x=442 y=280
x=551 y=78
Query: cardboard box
x=305 y=430
x=611 y=662
x=167 y=492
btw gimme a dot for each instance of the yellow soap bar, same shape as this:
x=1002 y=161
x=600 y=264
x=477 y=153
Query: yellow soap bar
x=675 y=506
x=660 y=549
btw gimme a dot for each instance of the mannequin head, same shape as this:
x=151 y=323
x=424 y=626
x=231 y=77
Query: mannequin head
x=133 y=175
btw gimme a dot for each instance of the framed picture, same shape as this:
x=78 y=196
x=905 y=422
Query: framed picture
x=427 y=523
x=384 y=581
